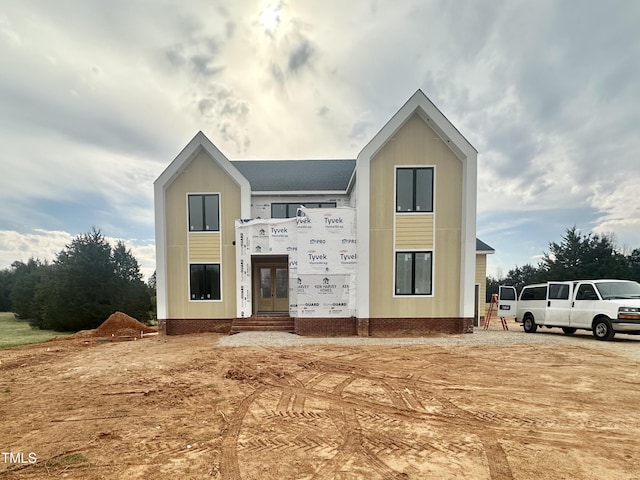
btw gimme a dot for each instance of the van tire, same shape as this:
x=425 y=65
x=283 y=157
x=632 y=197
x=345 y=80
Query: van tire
x=602 y=329
x=568 y=330
x=529 y=324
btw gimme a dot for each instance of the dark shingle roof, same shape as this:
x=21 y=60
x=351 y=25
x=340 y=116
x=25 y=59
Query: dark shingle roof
x=296 y=175
x=483 y=247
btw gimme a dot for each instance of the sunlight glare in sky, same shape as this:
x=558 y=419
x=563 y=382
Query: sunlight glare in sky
x=270 y=17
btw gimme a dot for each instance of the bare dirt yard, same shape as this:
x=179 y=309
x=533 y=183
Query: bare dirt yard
x=187 y=408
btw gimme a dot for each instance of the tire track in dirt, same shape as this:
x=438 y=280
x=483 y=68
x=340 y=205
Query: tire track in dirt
x=346 y=421
x=348 y=424
x=283 y=403
x=342 y=408
x=343 y=416
x=350 y=436
x=499 y=468
x=229 y=467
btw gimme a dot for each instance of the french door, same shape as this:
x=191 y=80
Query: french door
x=271 y=288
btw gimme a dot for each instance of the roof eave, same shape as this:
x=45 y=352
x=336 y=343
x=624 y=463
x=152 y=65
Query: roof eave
x=198 y=143
x=298 y=192
x=420 y=104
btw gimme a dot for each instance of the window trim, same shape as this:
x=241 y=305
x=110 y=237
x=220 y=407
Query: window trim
x=203 y=194
x=433 y=188
x=212 y=300
x=413 y=273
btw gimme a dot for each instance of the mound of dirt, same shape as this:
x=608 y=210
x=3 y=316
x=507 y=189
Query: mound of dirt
x=121 y=324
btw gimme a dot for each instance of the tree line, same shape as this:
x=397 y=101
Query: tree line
x=577 y=257
x=89 y=280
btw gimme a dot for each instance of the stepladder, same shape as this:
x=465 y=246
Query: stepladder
x=493 y=307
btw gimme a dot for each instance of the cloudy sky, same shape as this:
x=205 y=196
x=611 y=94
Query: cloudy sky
x=97 y=98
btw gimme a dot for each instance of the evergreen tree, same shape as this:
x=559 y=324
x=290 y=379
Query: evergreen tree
x=89 y=281
x=7 y=278
x=492 y=286
x=78 y=293
x=520 y=276
x=126 y=267
x=130 y=293
x=26 y=277
x=586 y=257
x=151 y=288
x=633 y=263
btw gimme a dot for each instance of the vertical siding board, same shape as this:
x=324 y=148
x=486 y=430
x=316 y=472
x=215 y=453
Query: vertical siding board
x=481 y=279
x=202 y=174
x=415 y=144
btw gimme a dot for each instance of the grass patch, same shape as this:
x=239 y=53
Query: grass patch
x=67 y=460
x=15 y=332
x=73 y=458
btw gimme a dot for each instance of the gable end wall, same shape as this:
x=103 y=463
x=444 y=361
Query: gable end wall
x=415 y=144
x=201 y=175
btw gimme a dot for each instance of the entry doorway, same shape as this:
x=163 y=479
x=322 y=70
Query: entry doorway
x=270 y=284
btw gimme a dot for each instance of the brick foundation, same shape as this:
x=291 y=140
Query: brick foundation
x=326 y=327
x=381 y=327
x=181 y=326
x=363 y=327
x=333 y=327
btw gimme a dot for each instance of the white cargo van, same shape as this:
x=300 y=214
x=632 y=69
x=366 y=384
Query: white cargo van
x=602 y=306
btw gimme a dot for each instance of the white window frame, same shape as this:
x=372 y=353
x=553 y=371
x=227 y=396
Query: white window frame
x=433 y=269
x=219 y=230
x=204 y=232
x=213 y=300
x=395 y=189
x=399 y=250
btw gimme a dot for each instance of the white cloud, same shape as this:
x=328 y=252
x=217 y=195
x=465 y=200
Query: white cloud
x=40 y=244
x=7 y=31
x=619 y=207
x=45 y=246
x=97 y=99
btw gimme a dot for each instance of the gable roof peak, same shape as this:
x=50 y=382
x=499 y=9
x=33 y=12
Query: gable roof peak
x=421 y=105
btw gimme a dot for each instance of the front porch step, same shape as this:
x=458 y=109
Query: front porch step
x=263 y=323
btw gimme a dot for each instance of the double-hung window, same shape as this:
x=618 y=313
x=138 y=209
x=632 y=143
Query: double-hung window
x=414 y=273
x=205 y=281
x=414 y=189
x=204 y=213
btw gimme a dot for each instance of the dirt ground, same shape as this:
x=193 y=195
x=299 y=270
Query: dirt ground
x=182 y=408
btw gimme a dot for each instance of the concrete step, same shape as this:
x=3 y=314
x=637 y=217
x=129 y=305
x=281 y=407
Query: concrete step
x=261 y=328
x=264 y=323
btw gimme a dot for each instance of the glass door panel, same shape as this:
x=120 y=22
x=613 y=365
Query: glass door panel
x=265 y=299
x=281 y=302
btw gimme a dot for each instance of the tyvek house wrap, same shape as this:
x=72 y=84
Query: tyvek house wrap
x=321 y=249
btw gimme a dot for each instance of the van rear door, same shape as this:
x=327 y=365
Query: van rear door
x=558 y=307
x=507 y=301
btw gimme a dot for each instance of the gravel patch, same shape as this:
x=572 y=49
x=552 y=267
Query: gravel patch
x=626 y=345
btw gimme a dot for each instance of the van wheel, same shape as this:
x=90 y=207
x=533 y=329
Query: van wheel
x=568 y=330
x=529 y=325
x=602 y=329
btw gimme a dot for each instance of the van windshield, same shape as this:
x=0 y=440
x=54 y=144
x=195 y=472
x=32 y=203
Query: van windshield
x=611 y=290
